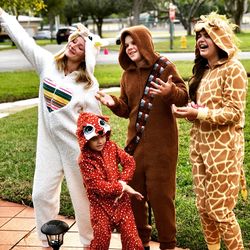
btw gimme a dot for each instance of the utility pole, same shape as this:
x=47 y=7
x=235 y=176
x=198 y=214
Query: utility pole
x=171 y=10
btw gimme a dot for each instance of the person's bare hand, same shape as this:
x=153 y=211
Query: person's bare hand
x=105 y=99
x=160 y=87
x=132 y=192
x=188 y=112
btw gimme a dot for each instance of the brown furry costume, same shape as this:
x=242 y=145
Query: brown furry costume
x=156 y=154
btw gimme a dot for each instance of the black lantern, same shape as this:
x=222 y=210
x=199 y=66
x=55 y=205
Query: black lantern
x=55 y=230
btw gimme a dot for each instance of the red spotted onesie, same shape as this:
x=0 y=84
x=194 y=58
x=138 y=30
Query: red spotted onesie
x=110 y=207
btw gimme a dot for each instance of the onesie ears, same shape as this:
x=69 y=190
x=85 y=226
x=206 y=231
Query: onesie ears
x=93 y=44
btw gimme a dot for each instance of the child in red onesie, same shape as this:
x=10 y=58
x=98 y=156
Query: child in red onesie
x=106 y=186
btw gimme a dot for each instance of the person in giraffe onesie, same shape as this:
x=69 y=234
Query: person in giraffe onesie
x=106 y=186
x=218 y=93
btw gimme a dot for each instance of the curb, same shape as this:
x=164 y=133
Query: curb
x=9 y=108
x=13 y=107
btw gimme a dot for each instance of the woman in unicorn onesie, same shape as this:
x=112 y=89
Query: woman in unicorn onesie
x=218 y=93
x=67 y=87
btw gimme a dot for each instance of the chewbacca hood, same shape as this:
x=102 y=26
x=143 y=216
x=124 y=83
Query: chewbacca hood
x=143 y=39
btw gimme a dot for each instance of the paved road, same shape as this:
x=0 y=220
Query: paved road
x=11 y=60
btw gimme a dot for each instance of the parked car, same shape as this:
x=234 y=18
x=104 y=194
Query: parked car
x=63 y=34
x=44 y=34
x=3 y=34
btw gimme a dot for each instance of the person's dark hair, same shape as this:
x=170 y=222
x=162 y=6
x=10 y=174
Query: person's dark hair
x=198 y=70
x=123 y=35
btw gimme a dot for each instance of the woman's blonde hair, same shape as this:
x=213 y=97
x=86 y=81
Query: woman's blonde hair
x=61 y=62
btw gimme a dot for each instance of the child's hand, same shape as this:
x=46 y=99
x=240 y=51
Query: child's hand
x=132 y=192
x=138 y=196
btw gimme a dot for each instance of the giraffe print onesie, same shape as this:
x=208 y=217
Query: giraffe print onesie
x=217 y=140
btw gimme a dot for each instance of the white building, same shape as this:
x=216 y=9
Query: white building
x=30 y=24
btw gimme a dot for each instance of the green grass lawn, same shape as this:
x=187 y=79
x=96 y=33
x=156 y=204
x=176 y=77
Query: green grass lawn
x=22 y=85
x=18 y=144
x=17 y=153
x=164 y=44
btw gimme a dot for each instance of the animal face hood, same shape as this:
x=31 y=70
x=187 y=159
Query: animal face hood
x=143 y=39
x=93 y=43
x=90 y=125
x=221 y=32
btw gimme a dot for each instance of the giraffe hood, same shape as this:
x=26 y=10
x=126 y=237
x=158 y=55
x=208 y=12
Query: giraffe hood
x=143 y=39
x=90 y=125
x=220 y=31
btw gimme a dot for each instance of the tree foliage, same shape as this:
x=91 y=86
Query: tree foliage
x=139 y=6
x=53 y=8
x=17 y=7
x=235 y=10
x=190 y=10
x=187 y=11
x=136 y=11
x=71 y=11
x=100 y=9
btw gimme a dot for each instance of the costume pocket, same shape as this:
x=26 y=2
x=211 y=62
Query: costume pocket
x=55 y=97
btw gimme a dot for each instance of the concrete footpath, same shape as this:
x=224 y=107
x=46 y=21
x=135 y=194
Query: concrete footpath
x=13 y=107
x=18 y=230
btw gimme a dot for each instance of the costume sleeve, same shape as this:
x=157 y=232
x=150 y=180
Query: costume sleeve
x=91 y=103
x=178 y=94
x=95 y=182
x=233 y=100
x=128 y=165
x=34 y=53
x=121 y=107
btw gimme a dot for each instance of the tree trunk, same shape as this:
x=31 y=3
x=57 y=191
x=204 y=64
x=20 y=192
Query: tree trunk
x=99 y=26
x=51 y=24
x=240 y=4
x=189 y=29
x=236 y=9
x=137 y=7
